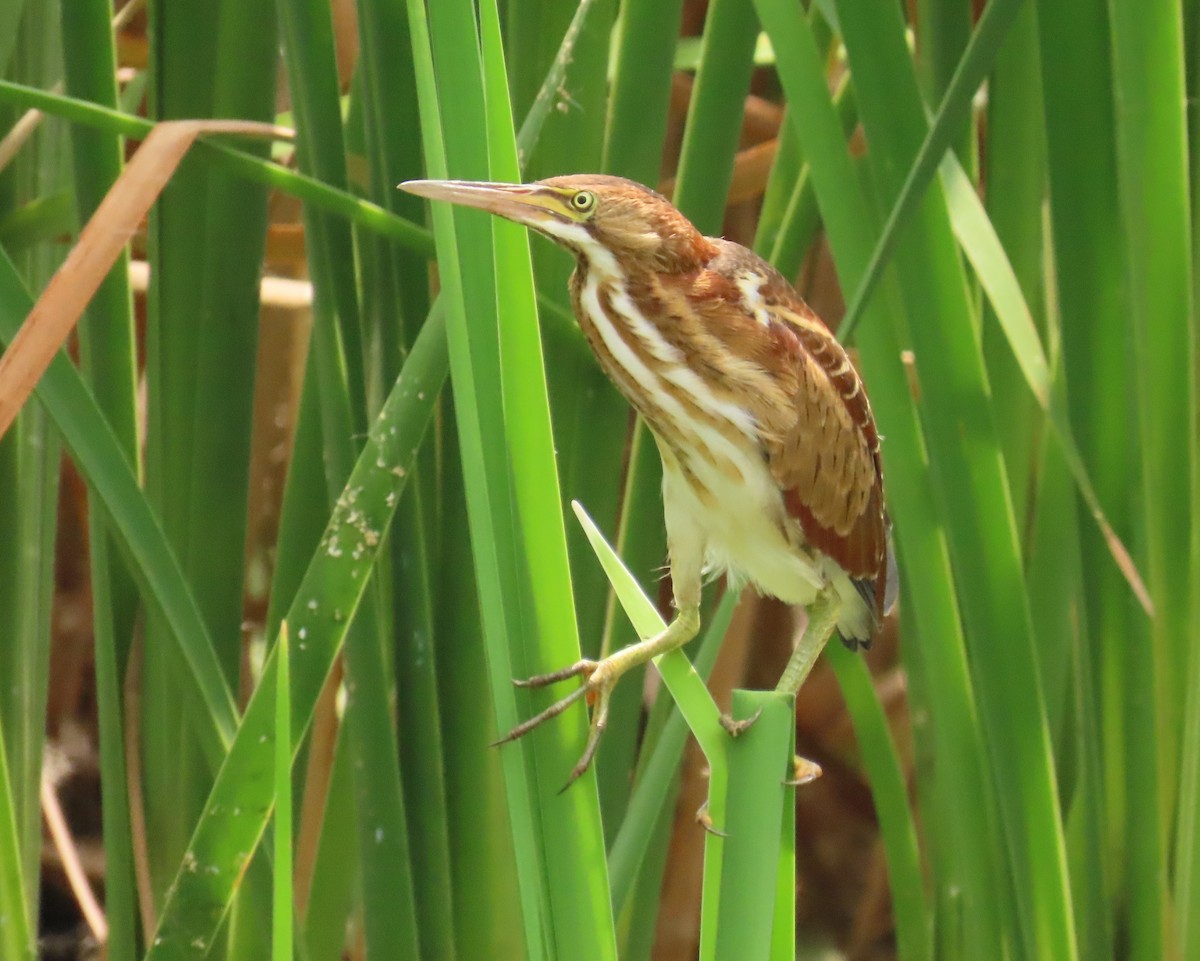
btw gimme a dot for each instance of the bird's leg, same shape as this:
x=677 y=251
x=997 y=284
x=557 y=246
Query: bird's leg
x=602 y=677
x=822 y=619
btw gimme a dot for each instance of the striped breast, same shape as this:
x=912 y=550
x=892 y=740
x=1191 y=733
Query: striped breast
x=623 y=321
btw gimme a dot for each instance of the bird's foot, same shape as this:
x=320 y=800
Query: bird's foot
x=804 y=772
x=738 y=728
x=600 y=679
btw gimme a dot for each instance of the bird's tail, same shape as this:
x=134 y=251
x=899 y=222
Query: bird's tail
x=864 y=607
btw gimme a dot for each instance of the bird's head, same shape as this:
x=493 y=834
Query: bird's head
x=605 y=221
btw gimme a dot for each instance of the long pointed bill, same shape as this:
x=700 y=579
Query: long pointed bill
x=529 y=204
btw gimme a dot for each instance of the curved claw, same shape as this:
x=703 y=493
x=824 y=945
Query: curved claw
x=704 y=819
x=804 y=772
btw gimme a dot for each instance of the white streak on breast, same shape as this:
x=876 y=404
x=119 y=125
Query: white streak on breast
x=630 y=363
x=645 y=331
x=604 y=271
x=688 y=380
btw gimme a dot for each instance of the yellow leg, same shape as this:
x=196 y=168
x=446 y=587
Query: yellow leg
x=822 y=620
x=602 y=677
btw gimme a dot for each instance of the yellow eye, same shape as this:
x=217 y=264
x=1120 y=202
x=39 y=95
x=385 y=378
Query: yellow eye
x=583 y=201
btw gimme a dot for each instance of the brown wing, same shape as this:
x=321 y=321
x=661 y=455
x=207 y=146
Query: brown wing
x=819 y=435
x=828 y=462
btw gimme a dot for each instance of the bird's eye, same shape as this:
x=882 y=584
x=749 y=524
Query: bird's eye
x=583 y=201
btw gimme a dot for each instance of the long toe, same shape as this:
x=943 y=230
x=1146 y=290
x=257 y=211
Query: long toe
x=553 y=710
x=601 y=676
x=585 y=759
x=582 y=668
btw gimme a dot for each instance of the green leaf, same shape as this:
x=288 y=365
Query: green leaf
x=686 y=686
x=255 y=169
x=239 y=806
x=101 y=461
x=281 y=907
x=15 y=936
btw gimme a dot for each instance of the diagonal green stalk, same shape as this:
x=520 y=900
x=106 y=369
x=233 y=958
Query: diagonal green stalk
x=655 y=789
x=952 y=113
x=256 y=169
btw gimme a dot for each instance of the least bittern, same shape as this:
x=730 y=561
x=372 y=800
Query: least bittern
x=771 y=466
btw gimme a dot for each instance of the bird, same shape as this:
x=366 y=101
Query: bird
x=772 y=471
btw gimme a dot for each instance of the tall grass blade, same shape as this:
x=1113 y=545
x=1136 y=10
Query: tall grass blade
x=240 y=803
x=913 y=914
x=281 y=907
x=713 y=128
x=1153 y=178
x=1092 y=312
x=102 y=462
x=956 y=405
x=743 y=920
x=29 y=485
x=952 y=113
x=566 y=908
x=639 y=90
x=108 y=358
x=982 y=247
x=15 y=934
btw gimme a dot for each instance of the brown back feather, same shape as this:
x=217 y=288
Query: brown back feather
x=821 y=442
